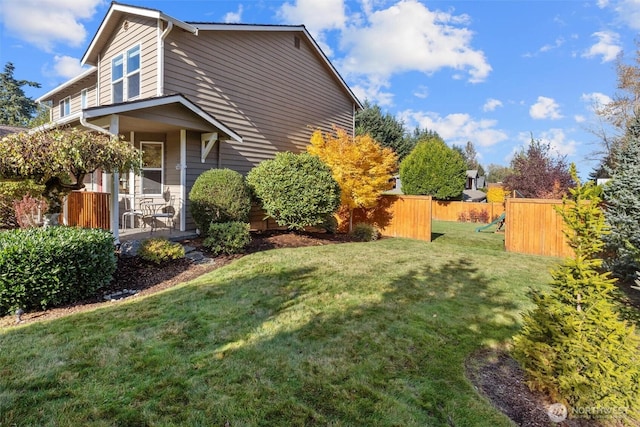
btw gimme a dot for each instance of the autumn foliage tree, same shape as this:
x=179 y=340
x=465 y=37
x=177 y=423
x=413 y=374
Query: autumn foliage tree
x=60 y=159
x=537 y=174
x=362 y=168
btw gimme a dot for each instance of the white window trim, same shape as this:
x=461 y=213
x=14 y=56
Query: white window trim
x=161 y=169
x=63 y=110
x=126 y=74
x=84 y=96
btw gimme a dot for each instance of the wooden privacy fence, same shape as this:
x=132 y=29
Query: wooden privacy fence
x=532 y=226
x=455 y=211
x=88 y=209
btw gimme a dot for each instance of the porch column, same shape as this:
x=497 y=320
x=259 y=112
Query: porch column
x=114 y=129
x=183 y=179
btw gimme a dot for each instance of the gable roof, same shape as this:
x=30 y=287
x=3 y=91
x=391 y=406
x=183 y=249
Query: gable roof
x=7 y=130
x=118 y=10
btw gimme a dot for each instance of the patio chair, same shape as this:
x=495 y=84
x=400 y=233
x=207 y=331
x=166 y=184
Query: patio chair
x=131 y=211
x=164 y=215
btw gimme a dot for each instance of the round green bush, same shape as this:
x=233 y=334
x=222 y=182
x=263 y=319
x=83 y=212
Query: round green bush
x=228 y=237
x=433 y=169
x=47 y=267
x=297 y=190
x=219 y=195
x=365 y=232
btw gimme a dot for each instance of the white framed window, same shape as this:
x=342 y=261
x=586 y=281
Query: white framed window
x=125 y=75
x=83 y=98
x=65 y=107
x=152 y=177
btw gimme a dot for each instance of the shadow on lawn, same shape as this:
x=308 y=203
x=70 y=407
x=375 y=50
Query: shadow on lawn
x=228 y=350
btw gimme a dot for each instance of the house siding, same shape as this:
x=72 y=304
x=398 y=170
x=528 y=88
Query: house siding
x=74 y=92
x=140 y=30
x=260 y=85
x=196 y=167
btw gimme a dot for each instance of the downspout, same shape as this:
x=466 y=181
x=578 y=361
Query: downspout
x=163 y=36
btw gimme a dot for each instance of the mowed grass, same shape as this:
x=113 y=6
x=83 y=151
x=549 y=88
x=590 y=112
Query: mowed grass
x=355 y=334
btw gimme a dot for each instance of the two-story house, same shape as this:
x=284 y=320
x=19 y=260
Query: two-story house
x=195 y=96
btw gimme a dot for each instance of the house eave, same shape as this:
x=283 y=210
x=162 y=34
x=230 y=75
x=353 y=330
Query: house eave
x=66 y=84
x=115 y=12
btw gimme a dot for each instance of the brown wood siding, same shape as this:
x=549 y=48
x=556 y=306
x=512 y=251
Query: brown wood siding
x=532 y=226
x=454 y=211
x=141 y=31
x=74 y=92
x=260 y=85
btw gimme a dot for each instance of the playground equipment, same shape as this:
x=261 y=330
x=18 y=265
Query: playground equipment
x=499 y=221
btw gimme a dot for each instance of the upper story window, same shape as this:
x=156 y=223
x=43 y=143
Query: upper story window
x=83 y=99
x=125 y=75
x=65 y=107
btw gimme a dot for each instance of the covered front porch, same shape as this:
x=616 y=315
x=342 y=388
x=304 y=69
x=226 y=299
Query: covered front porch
x=178 y=141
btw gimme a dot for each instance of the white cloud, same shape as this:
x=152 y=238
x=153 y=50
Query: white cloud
x=421 y=92
x=547 y=47
x=628 y=11
x=608 y=46
x=423 y=40
x=558 y=142
x=456 y=128
x=596 y=100
x=491 y=104
x=45 y=23
x=233 y=17
x=545 y=108
x=316 y=15
x=579 y=118
x=66 y=66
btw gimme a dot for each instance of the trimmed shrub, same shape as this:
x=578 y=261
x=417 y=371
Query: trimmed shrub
x=573 y=345
x=219 y=195
x=434 y=169
x=496 y=194
x=10 y=192
x=159 y=250
x=47 y=267
x=297 y=190
x=228 y=238
x=365 y=232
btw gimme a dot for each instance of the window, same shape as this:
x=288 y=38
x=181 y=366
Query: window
x=125 y=70
x=65 y=107
x=152 y=172
x=83 y=98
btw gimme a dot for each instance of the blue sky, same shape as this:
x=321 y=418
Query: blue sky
x=490 y=72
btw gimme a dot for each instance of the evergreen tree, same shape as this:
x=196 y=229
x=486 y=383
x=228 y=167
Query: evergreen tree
x=573 y=346
x=385 y=129
x=434 y=169
x=16 y=108
x=623 y=206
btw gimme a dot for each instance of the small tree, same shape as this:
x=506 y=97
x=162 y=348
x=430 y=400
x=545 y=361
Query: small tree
x=538 y=174
x=573 y=346
x=297 y=190
x=497 y=173
x=623 y=206
x=434 y=169
x=61 y=158
x=219 y=195
x=361 y=167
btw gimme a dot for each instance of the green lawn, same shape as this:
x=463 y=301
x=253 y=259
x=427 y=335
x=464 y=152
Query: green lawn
x=358 y=334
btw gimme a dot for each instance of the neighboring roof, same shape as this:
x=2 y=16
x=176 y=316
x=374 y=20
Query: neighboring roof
x=66 y=84
x=117 y=10
x=473 y=195
x=472 y=173
x=6 y=130
x=123 y=107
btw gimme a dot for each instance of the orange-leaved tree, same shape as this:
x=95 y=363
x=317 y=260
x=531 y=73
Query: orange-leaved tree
x=362 y=168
